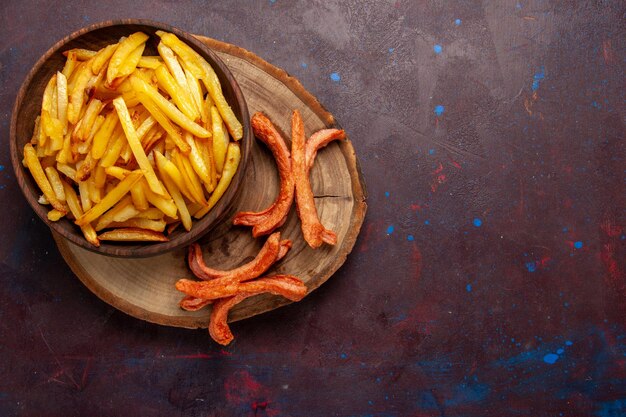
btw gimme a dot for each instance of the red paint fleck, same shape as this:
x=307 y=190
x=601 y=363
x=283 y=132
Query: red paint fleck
x=611 y=229
x=260 y=405
x=615 y=275
x=544 y=261
x=568 y=169
x=241 y=387
x=439 y=178
x=455 y=164
x=607 y=51
x=416 y=258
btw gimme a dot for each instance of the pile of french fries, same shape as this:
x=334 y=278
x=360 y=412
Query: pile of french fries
x=130 y=146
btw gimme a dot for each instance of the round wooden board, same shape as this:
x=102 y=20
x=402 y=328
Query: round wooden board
x=144 y=288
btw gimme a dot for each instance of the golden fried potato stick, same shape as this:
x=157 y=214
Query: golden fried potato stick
x=141 y=86
x=146 y=224
x=137 y=149
x=122 y=52
x=181 y=98
x=62 y=100
x=36 y=170
x=288 y=286
x=133 y=235
x=77 y=211
x=233 y=157
x=102 y=57
x=203 y=71
x=150 y=62
x=174 y=191
x=268 y=220
x=110 y=199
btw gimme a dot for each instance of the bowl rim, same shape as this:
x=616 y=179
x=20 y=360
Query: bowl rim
x=144 y=249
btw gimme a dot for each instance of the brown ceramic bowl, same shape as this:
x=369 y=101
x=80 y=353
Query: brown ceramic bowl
x=28 y=104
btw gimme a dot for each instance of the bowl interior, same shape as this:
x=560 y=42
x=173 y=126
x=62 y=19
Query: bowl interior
x=28 y=105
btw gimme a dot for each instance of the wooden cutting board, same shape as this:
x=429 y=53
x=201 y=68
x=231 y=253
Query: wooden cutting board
x=144 y=288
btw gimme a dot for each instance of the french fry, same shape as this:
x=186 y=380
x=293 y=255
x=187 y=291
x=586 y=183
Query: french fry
x=93 y=109
x=220 y=142
x=202 y=70
x=168 y=167
x=82 y=76
x=81 y=54
x=83 y=192
x=145 y=127
x=62 y=100
x=167 y=206
x=169 y=59
x=191 y=179
x=205 y=149
x=70 y=64
x=174 y=191
x=149 y=62
x=103 y=135
x=67 y=170
x=55 y=215
x=195 y=90
x=36 y=170
x=139 y=197
x=100 y=176
x=139 y=223
x=129 y=65
x=122 y=52
x=164 y=121
x=110 y=199
x=152 y=213
x=53 y=129
x=233 y=156
x=118 y=141
x=55 y=182
x=196 y=160
x=102 y=57
x=133 y=235
x=139 y=85
x=117 y=172
x=121 y=212
x=76 y=210
x=135 y=145
x=181 y=98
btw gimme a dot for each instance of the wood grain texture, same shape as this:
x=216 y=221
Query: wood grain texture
x=28 y=105
x=144 y=288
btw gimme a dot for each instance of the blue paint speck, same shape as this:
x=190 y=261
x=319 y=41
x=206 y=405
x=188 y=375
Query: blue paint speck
x=391 y=50
x=304 y=65
x=518 y=6
x=335 y=77
x=439 y=109
x=578 y=244
x=410 y=238
x=427 y=222
x=595 y=104
x=343 y=356
x=468 y=287
x=550 y=358
x=477 y=222
x=568 y=343
x=457 y=22
x=1 y=168
x=531 y=266
x=538 y=77
x=272 y=1
x=438 y=49
x=387 y=194
x=560 y=351
x=431 y=152
x=390 y=230
x=565 y=230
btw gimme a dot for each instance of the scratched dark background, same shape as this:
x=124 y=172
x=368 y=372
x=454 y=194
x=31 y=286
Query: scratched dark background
x=489 y=277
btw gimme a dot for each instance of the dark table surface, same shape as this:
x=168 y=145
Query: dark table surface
x=489 y=276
